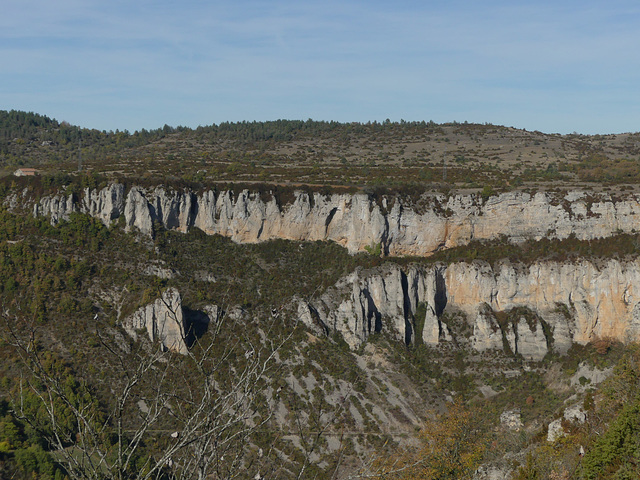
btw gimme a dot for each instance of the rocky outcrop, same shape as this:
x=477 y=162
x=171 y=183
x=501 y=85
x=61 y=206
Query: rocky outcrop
x=487 y=334
x=511 y=419
x=106 y=204
x=167 y=322
x=530 y=340
x=572 y=415
x=163 y=321
x=493 y=472
x=588 y=376
x=57 y=207
x=387 y=299
x=527 y=310
x=399 y=226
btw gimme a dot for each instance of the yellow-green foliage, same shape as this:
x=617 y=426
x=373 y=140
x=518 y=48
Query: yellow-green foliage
x=453 y=446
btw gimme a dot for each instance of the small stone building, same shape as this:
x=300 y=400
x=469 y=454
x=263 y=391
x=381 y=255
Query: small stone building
x=25 y=172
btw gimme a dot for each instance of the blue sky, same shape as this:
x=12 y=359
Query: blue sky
x=559 y=66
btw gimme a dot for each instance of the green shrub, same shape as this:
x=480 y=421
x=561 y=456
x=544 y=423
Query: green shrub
x=618 y=450
x=374 y=249
x=35 y=460
x=487 y=191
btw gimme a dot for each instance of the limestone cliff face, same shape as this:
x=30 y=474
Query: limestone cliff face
x=166 y=322
x=385 y=299
x=57 y=207
x=358 y=221
x=163 y=321
x=571 y=302
x=529 y=310
x=106 y=204
x=247 y=218
x=602 y=301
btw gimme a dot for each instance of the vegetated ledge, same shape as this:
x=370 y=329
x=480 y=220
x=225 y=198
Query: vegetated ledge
x=393 y=225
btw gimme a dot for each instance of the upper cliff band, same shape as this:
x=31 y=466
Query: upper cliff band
x=355 y=221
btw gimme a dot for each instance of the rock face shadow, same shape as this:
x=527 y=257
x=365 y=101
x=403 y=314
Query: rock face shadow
x=406 y=306
x=440 y=298
x=196 y=324
x=374 y=318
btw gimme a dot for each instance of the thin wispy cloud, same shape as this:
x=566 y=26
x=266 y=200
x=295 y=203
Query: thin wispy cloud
x=536 y=65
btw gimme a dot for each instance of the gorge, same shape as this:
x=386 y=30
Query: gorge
x=576 y=301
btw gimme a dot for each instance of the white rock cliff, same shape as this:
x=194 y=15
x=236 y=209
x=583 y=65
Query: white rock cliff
x=163 y=321
x=559 y=304
x=570 y=302
x=357 y=221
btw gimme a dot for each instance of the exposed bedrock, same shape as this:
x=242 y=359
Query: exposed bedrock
x=563 y=302
x=528 y=310
x=356 y=221
x=166 y=321
x=162 y=320
x=106 y=204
